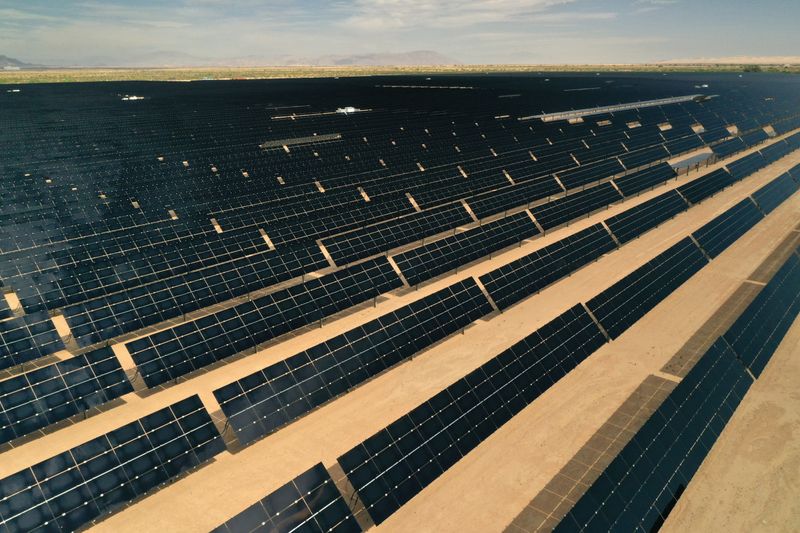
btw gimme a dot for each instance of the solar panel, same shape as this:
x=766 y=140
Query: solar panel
x=129 y=310
x=5 y=310
x=177 y=351
x=775 y=151
x=639 y=488
x=718 y=234
x=47 y=395
x=586 y=174
x=621 y=305
x=260 y=403
x=773 y=194
x=755 y=137
x=444 y=255
x=707 y=185
x=73 y=488
x=381 y=237
x=683 y=144
x=755 y=336
x=516 y=195
x=527 y=275
x=398 y=462
x=729 y=147
x=644 y=157
x=717 y=134
x=310 y=503
x=648 y=178
x=27 y=338
x=635 y=221
x=741 y=168
x=563 y=210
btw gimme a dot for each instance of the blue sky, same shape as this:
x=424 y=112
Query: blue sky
x=488 y=31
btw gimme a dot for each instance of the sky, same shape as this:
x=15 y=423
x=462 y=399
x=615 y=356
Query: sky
x=120 y=32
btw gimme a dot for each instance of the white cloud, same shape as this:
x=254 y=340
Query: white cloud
x=379 y=15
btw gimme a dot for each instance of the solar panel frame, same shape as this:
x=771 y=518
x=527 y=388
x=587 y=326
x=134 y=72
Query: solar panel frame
x=774 y=193
x=717 y=235
x=527 y=275
x=27 y=338
x=264 y=401
x=310 y=503
x=36 y=399
x=647 y=178
x=758 y=331
x=705 y=186
x=73 y=488
x=175 y=352
x=638 y=219
x=399 y=461
x=637 y=489
x=443 y=255
x=618 y=307
x=371 y=240
x=582 y=203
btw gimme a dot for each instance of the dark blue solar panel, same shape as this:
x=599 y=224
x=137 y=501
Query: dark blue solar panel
x=48 y=395
x=641 y=180
x=395 y=464
x=701 y=188
x=27 y=338
x=755 y=137
x=775 y=151
x=741 y=168
x=132 y=309
x=5 y=309
x=683 y=144
x=177 y=351
x=582 y=203
x=585 y=174
x=729 y=147
x=382 y=237
x=310 y=503
x=260 y=403
x=634 y=221
x=716 y=236
x=444 y=255
x=529 y=274
x=639 y=488
x=73 y=488
x=621 y=305
x=513 y=196
x=757 y=333
x=774 y=193
x=643 y=157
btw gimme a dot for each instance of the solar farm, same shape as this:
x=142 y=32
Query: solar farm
x=502 y=302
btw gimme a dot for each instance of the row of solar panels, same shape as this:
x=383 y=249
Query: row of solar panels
x=398 y=462
x=640 y=487
x=139 y=240
x=262 y=402
x=63 y=291
x=69 y=229
x=720 y=109
x=105 y=318
x=387 y=469
x=591 y=140
x=178 y=351
x=381 y=237
x=259 y=404
x=374 y=139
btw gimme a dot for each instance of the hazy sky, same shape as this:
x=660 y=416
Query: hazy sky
x=488 y=31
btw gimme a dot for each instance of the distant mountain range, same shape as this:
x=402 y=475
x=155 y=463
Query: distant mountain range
x=6 y=62
x=168 y=59
x=738 y=60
